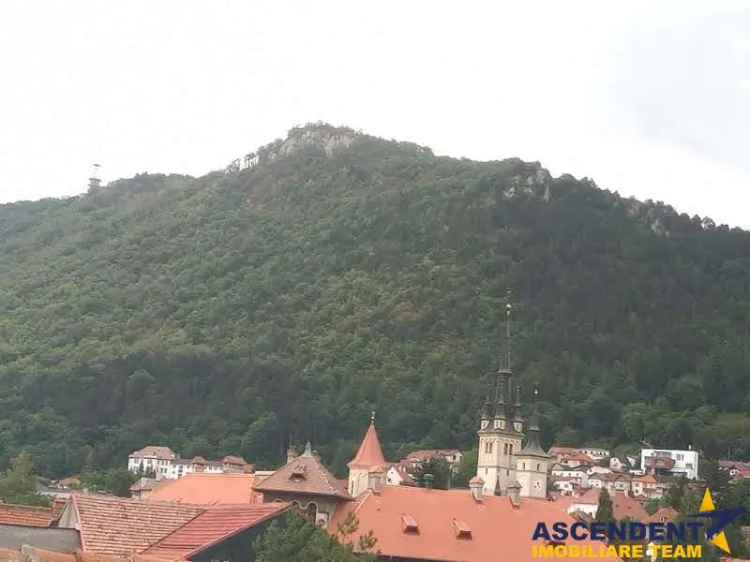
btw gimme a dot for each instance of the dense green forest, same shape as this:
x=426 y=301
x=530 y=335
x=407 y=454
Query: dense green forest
x=345 y=273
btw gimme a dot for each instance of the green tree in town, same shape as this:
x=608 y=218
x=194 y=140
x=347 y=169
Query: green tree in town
x=605 y=510
x=19 y=484
x=440 y=470
x=294 y=539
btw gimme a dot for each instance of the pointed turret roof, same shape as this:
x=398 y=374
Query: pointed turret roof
x=370 y=453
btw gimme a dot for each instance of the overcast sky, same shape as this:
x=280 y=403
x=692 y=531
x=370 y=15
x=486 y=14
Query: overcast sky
x=651 y=99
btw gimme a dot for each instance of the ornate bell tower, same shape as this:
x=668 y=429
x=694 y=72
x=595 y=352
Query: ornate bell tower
x=532 y=462
x=501 y=426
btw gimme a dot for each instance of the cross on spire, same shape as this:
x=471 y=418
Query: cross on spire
x=508 y=311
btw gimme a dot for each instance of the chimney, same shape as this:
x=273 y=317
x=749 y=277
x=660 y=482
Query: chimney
x=429 y=479
x=476 y=485
x=514 y=493
x=291 y=454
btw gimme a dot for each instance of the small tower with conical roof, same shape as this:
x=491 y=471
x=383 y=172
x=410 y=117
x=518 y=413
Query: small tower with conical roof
x=532 y=462
x=502 y=438
x=369 y=459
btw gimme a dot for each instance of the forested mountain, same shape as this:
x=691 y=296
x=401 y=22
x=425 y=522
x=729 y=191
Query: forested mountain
x=344 y=273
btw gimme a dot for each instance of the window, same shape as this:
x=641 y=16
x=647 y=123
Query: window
x=510 y=449
x=538 y=467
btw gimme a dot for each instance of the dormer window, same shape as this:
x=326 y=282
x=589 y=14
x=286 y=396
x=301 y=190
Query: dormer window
x=462 y=529
x=409 y=524
x=298 y=473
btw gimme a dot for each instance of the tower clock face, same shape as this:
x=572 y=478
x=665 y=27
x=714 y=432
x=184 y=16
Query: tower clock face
x=484 y=424
x=518 y=426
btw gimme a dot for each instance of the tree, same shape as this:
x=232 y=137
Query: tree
x=294 y=539
x=605 y=510
x=675 y=497
x=115 y=481
x=440 y=470
x=18 y=485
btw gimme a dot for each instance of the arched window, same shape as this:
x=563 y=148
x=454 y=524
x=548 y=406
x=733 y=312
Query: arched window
x=538 y=467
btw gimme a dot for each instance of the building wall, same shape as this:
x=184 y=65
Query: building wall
x=685 y=462
x=495 y=459
x=531 y=473
x=358 y=481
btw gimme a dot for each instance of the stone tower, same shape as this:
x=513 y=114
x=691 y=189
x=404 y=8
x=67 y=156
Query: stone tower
x=501 y=428
x=532 y=463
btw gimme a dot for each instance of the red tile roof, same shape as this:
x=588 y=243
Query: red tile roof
x=123 y=526
x=212 y=527
x=304 y=475
x=450 y=525
x=28 y=516
x=622 y=504
x=370 y=453
x=208 y=489
x=154 y=451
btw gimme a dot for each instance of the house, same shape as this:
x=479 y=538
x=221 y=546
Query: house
x=152 y=459
x=649 y=487
x=307 y=485
x=737 y=469
x=623 y=506
x=26 y=516
x=224 y=532
x=572 y=457
x=422 y=524
x=209 y=489
x=613 y=481
x=416 y=459
x=595 y=453
x=398 y=475
x=124 y=527
x=566 y=485
x=143 y=487
x=163 y=463
x=670 y=462
x=578 y=474
x=622 y=463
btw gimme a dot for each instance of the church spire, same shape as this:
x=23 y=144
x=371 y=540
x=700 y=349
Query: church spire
x=533 y=444
x=370 y=454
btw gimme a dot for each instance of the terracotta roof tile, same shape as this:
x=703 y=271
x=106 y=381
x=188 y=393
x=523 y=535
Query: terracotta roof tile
x=122 y=526
x=370 y=453
x=213 y=526
x=208 y=489
x=154 y=451
x=28 y=516
x=452 y=526
x=304 y=475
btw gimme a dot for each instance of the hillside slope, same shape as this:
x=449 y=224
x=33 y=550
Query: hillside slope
x=344 y=273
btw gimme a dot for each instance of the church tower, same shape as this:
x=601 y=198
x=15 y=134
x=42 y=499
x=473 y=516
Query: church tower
x=501 y=427
x=368 y=461
x=532 y=462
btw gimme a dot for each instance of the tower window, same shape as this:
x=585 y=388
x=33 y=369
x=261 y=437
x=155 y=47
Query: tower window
x=538 y=467
x=510 y=448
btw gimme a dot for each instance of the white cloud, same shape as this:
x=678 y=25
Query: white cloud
x=648 y=101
